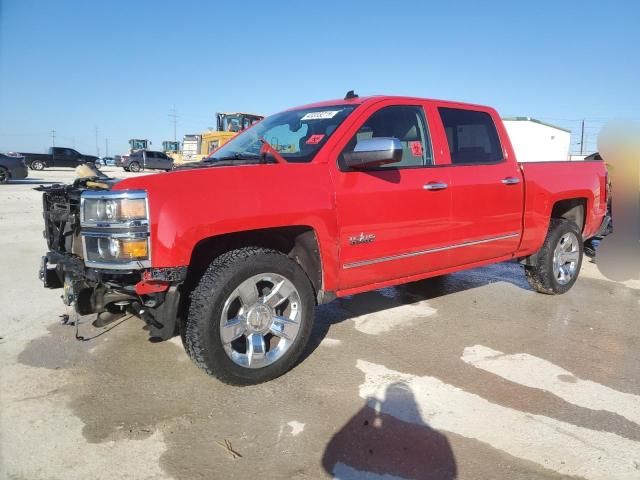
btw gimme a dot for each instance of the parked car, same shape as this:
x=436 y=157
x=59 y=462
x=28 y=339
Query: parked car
x=147 y=160
x=106 y=162
x=350 y=195
x=12 y=167
x=57 y=157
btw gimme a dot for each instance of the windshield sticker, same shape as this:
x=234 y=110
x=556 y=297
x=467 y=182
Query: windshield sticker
x=416 y=148
x=321 y=115
x=314 y=139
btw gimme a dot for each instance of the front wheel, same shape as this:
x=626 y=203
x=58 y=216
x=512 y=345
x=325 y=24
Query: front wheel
x=250 y=316
x=559 y=260
x=37 y=165
x=134 y=167
x=4 y=175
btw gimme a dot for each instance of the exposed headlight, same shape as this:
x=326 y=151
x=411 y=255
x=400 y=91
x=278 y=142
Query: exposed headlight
x=103 y=209
x=115 y=229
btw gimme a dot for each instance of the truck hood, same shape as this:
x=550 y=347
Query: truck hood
x=190 y=205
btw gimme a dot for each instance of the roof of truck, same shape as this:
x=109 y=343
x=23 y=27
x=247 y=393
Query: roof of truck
x=374 y=98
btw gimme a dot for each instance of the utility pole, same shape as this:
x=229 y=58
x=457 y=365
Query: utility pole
x=582 y=139
x=106 y=147
x=174 y=118
x=53 y=138
x=97 y=146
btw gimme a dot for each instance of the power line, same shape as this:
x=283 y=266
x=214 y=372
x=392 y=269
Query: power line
x=97 y=146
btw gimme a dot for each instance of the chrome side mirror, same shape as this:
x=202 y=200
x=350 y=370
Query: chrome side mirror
x=372 y=152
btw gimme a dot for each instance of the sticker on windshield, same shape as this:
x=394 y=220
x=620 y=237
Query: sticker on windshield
x=314 y=139
x=416 y=148
x=321 y=115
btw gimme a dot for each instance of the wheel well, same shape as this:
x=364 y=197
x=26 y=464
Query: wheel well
x=573 y=209
x=297 y=242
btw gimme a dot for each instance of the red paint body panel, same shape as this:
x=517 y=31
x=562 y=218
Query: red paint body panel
x=408 y=221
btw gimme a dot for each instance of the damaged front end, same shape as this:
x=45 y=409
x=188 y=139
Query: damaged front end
x=100 y=254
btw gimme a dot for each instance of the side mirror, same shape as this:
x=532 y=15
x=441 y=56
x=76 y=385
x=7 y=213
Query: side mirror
x=373 y=152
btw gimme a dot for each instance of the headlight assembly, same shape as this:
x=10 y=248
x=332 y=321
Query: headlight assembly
x=109 y=209
x=115 y=229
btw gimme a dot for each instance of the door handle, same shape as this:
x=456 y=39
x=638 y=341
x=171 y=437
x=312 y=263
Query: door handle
x=511 y=180
x=435 y=186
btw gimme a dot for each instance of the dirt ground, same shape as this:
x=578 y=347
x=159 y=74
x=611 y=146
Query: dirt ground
x=471 y=376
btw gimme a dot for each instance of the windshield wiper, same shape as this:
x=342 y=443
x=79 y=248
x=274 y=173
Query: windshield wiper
x=235 y=156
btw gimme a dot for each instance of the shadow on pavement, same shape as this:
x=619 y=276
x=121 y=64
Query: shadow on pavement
x=374 y=444
x=366 y=303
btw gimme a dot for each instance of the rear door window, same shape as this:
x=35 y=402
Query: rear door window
x=471 y=135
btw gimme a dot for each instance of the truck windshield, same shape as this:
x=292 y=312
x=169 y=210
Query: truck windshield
x=296 y=134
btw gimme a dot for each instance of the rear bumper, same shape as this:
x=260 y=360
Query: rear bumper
x=91 y=290
x=606 y=227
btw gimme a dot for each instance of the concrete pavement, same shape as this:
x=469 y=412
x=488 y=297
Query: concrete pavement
x=471 y=376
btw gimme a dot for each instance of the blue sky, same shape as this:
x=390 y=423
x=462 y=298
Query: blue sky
x=120 y=66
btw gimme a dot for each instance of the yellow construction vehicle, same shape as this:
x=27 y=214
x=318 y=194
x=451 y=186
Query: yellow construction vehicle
x=172 y=149
x=197 y=147
x=228 y=125
x=138 y=144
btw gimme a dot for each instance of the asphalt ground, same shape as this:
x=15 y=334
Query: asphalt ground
x=470 y=376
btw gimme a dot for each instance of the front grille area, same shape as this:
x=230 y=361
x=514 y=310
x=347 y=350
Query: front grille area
x=61 y=211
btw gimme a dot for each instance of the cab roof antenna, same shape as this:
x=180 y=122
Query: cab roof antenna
x=350 y=95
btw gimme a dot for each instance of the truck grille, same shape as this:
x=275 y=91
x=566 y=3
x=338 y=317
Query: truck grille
x=61 y=208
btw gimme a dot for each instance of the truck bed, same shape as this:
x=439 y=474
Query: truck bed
x=548 y=182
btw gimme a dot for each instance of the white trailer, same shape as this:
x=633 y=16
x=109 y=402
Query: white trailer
x=536 y=141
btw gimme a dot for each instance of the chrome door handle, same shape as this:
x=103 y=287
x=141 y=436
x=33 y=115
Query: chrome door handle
x=435 y=186
x=510 y=180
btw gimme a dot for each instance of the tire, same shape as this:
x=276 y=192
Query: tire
x=211 y=302
x=554 y=273
x=37 y=165
x=4 y=175
x=134 y=167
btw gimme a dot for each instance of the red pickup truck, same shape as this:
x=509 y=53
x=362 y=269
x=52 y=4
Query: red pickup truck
x=313 y=203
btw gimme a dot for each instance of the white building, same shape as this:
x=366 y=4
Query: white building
x=536 y=141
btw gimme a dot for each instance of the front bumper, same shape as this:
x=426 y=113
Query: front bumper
x=154 y=295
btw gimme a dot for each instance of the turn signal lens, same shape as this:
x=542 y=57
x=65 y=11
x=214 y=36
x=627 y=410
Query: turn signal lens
x=134 y=249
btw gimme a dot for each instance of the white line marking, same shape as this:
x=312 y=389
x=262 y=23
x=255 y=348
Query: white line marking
x=296 y=427
x=391 y=318
x=568 y=449
x=535 y=372
x=330 y=342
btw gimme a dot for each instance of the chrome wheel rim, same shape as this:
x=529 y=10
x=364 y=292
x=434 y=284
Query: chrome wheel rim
x=134 y=167
x=260 y=320
x=565 y=258
x=4 y=176
x=37 y=165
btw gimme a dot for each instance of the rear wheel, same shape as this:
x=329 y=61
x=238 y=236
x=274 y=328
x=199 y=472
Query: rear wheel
x=559 y=260
x=250 y=316
x=4 y=175
x=37 y=165
x=134 y=167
